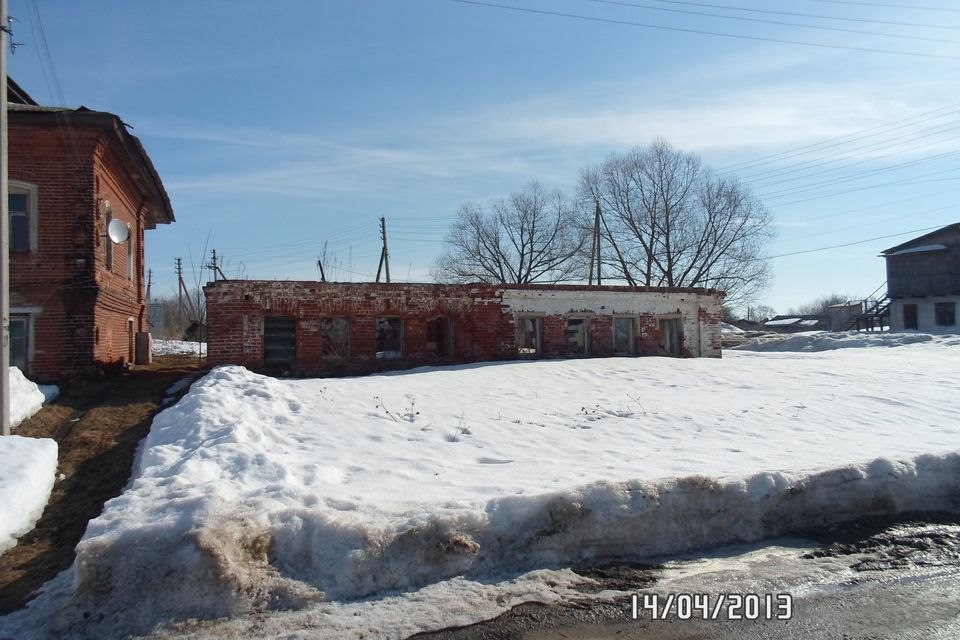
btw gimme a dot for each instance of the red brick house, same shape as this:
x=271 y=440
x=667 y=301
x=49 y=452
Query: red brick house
x=76 y=298
x=314 y=328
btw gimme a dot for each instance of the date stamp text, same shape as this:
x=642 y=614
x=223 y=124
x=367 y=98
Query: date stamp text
x=713 y=606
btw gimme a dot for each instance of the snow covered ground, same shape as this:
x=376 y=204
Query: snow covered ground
x=419 y=490
x=178 y=348
x=808 y=341
x=27 y=465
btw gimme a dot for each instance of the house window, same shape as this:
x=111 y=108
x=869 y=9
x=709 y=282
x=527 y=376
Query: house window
x=945 y=314
x=528 y=336
x=129 y=253
x=623 y=336
x=279 y=340
x=336 y=337
x=578 y=340
x=22 y=212
x=107 y=242
x=19 y=342
x=439 y=337
x=910 y=316
x=389 y=338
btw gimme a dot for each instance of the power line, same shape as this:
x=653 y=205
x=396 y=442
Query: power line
x=849 y=137
x=850 y=244
x=767 y=21
x=807 y=15
x=891 y=6
x=701 y=32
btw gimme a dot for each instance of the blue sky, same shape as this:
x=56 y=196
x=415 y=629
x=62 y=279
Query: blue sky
x=278 y=127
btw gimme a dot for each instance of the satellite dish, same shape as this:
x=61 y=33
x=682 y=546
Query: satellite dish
x=118 y=231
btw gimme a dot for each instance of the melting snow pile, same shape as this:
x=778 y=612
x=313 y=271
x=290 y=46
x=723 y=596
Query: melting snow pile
x=256 y=494
x=823 y=341
x=27 y=470
x=26 y=397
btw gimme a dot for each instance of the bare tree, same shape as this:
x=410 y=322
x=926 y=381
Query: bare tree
x=670 y=221
x=531 y=236
x=821 y=306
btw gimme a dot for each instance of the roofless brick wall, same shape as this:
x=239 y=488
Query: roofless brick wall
x=313 y=328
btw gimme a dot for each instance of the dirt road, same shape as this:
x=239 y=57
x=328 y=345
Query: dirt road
x=97 y=425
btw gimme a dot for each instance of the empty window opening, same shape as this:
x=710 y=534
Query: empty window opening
x=578 y=336
x=945 y=314
x=439 y=337
x=910 y=316
x=623 y=336
x=336 y=337
x=389 y=338
x=279 y=339
x=670 y=336
x=528 y=336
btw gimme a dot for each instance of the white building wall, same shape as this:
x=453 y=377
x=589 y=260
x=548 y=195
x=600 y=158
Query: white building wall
x=701 y=331
x=925 y=314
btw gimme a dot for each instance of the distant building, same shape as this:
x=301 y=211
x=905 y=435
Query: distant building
x=797 y=323
x=923 y=281
x=314 y=328
x=76 y=298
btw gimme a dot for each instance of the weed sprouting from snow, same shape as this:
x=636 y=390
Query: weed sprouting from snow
x=461 y=430
x=411 y=413
x=382 y=406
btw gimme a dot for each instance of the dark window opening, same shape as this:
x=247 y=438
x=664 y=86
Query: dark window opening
x=577 y=336
x=910 y=316
x=389 y=338
x=19 y=212
x=528 y=336
x=336 y=337
x=439 y=337
x=945 y=314
x=279 y=340
x=623 y=336
x=19 y=326
x=670 y=336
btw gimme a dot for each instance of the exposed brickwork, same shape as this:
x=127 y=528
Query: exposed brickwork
x=481 y=319
x=80 y=310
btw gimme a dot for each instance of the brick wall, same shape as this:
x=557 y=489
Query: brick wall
x=79 y=309
x=482 y=319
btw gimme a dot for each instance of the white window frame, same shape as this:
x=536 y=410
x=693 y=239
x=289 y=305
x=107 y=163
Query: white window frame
x=129 y=252
x=107 y=242
x=30 y=190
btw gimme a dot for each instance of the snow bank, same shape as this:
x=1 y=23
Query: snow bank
x=26 y=397
x=27 y=470
x=823 y=341
x=178 y=348
x=256 y=494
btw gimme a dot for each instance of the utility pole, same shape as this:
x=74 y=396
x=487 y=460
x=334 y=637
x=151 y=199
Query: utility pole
x=384 y=255
x=4 y=231
x=182 y=290
x=215 y=267
x=323 y=277
x=149 y=282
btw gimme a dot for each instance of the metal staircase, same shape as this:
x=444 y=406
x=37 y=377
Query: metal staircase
x=875 y=315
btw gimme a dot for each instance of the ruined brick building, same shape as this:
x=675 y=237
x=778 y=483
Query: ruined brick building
x=76 y=298
x=314 y=328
